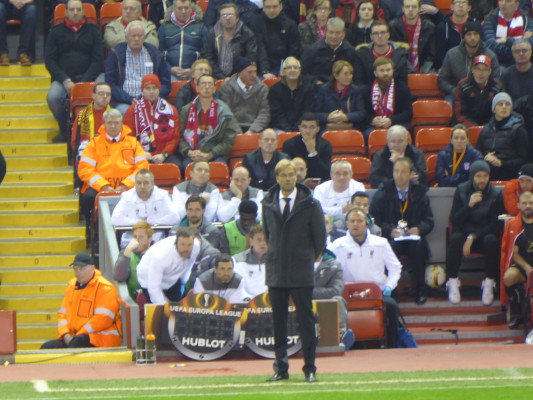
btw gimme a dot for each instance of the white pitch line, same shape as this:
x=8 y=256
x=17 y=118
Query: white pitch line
x=41 y=386
x=290 y=384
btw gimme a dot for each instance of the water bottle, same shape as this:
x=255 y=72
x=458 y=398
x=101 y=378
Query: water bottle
x=140 y=352
x=150 y=349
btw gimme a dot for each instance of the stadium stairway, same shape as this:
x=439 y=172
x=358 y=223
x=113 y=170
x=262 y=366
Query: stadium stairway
x=39 y=213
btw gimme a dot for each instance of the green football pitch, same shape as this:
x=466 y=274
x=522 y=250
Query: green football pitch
x=514 y=384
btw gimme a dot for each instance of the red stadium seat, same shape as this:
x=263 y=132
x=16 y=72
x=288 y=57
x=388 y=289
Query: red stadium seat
x=109 y=12
x=202 y=4
x=166 y=175
x=473 y=134
x=175 y=87
x=431 y=113
x=433 y=140
x=283 y=136
x=271 y=81
x=424 y=85
x=244 y=144
x=378 y=140
x=346 y=142
x=431 y=167
x=80 y=96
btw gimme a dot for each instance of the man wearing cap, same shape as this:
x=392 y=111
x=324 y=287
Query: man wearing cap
x=458 y=60
x=474 y=93
x=90 y=312
x=474 y=218
x=155 y=123
x=503 y=26
x=504 y=142
x=228 y=39
x=515 y=187
x=518 y=78
x=246 y=96
x=128 y=62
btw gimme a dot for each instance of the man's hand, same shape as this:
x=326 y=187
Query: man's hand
x=467 y=246
x=492 y=159
x=414 y=176
x=426 y=9
x=67 y=338
x=394 y=155
x=235 y=190
x=475 y=198
x=158 y=158
x=121 y=188
x=131 y=247
x=414 y=231
x=181 y=73
x=268 y=76
x=346 y=208
x=528 y=34
x=68 y=86
x=107 y=188
x=194 y=154
x=395 y=233
x=205 y=196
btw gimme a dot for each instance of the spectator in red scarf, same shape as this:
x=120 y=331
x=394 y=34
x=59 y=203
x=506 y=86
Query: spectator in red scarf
x=155 y=123
x=419 y=33
x=387 y=100
x=208 y=127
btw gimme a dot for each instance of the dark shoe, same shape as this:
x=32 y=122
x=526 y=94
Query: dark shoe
x=420 y=298
x=310 y=377
x=348 y=339
x=24 y=60
x=4 y=60
x=278 y=377
x=515 y=323
x=59 y=138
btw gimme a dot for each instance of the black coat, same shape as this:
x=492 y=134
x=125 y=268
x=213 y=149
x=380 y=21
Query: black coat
x=381 y=169
x=287 y=106
x=327 y=101
x=294 y=244
x=318 y=59
x=317 y=166
x=364 y=64
x=473 y=106
x=262 y=177
x=385 y=208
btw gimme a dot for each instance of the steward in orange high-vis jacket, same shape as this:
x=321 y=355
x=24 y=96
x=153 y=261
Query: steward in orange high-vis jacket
x=90 y=312
x=110 y=161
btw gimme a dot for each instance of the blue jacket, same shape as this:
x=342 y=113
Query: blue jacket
x=444 y=166
x=115 y=74
x=327 y=101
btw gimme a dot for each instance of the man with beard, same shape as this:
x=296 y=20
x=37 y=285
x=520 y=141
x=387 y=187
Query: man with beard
x=522 y=258
x=387 y=100
x=458 y=60
x=474 y=218
x=474 y=93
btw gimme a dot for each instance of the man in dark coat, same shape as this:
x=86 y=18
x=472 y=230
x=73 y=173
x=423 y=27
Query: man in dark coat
x=296 y=235
x=401 y=208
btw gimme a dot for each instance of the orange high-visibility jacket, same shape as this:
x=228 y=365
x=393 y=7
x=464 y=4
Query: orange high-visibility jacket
x=93 y=310
x=513 y=228
x=106 y=163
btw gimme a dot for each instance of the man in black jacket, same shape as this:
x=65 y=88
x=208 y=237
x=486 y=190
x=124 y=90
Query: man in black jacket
x=74 y=53
x=296 y=234
x=313 y=149
x=474 y=218
x=318 y=58
x=291 y=97
x=401 y=208
x=277 y=38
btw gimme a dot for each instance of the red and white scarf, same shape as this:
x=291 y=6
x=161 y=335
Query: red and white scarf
x=159 y=128
x=413 y=45
x=383 y=103
x=514 y=29
x=75 y=26
x=193 y=133
x=388 y=53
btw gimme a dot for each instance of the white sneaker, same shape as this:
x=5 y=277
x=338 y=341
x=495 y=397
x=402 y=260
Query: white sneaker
x=487 y=291
x=454 y=295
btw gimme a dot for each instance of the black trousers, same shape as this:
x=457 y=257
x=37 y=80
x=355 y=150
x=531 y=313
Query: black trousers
x=488 y=245
x=303 y=300
x=76 y=342
x=87 y=203
x=416 y=250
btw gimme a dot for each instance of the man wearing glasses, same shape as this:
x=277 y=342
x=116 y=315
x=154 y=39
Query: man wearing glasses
x=228 y=39
x=291 y=97
x=380 y=46
x=90 y=312
x=518 y=78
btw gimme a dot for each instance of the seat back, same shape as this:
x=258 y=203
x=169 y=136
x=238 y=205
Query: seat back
x=109 y=12
x=473 y=134
x=219 y=174
x=88 y=9
x=366 y=310
x=445 y=6
x=360 y=167
x=433 y=140
x=175 y=87
x=271 y=81
x=431 y=167
x=166 y=175
x=346 y=142
x=244 y=144
x=80 y=96
x=424 y=85
x=202 y=4
x=283 y=136
x=378 y=140
x=431 y=113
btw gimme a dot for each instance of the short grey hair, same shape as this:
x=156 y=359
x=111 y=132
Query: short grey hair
x=134 y=24
x=291 y=58
x=341 y=163
x=111 y=113
x=335 y=22
x=398 y=130
x=521 y=41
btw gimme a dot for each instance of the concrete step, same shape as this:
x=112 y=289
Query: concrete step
x=76 y=356
x=37 y=274
x=28 y=149
x=28 y=344
x=43 y=245
x=36 y=260
x=23 y=96
x=27 y=122
x=42 y=218
x=36 y=289
x=446 y=319
x=35 y=190
x=40 y=204
x=492 y=333
x=37 y=331
x=41 y=231
x=15 y=70
x=24 y=82
x=36 y=303
x=39 y=176
x=26 y=135
x=29 y=162
x=37 y=317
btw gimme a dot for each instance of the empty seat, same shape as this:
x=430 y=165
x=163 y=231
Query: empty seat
x=424 y=85
x=431 y=113
x=433 y=140
x=166 y=175
x=431 y=167
x=346 y=142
